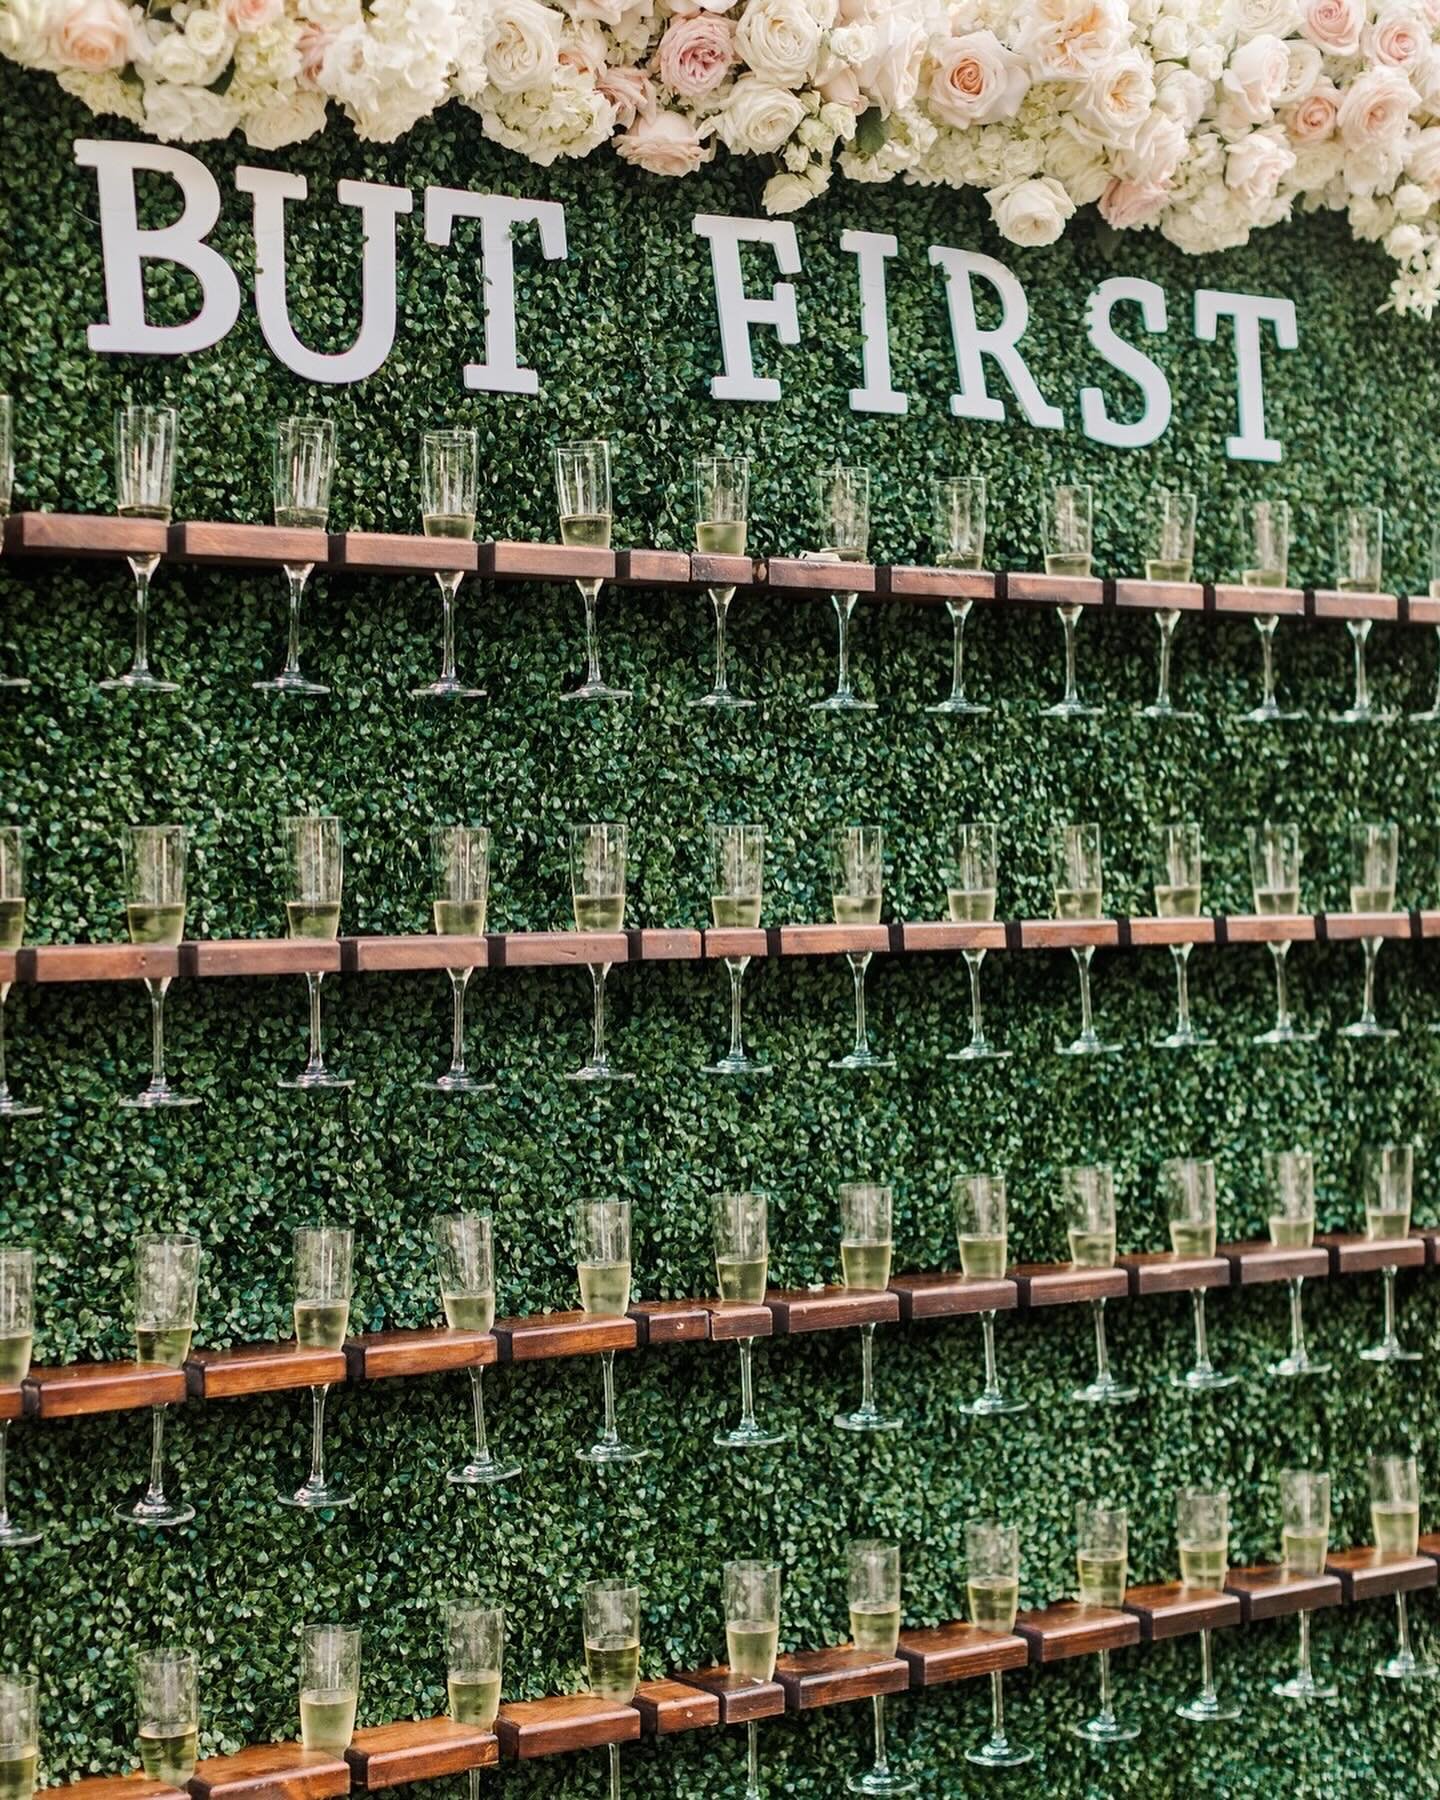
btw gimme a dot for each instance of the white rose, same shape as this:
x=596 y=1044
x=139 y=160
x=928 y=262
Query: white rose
x=1374 y=109
x=522 y=48
x=1261 y=18
x=189 y=61
x=25 y=32
x=779 y=40
x=1303 y=73
x=93 y=35
x=331 y=15
x=252 y=15
x=787 y=193
x=1030 y=212
x=887 y=61
x=1372 y=170
x=1256 y=78
x=1422 y=163
x=1115 y=101
x=1257 y=164
x=1068 y=40
x=1156 y=154
x=285 y=119
x=1404 y=241
x=187 y=115
x=1169 y=39
x=1207 y=61
x=1075 y=158
x=975 y=80
x=1183 y=95
x=759 y=116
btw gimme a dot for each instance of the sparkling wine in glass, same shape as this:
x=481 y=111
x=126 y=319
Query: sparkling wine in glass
x=737 y=886
x=167 y=1274
x=722 y=511
x=857 y=860
x=324 y=1283
x=1395 y=1522
x=314 y=881
x=978 y=1203
x=1265 y=536
x=460 y=862
x=612 y=1651
x=465 y=1263
x=752 y=1637
x=602 y=1266
x=1202 y=1522
x=17 y=1336
x=1189 y=1188
x=155 y=858
x=12 y=935
x=1078 y=878
x=1359 y=541
x=1305 y=1542
x=1179 y=867
x=1431 y=716
x=959 y=544
x=866 y=1247
x=449 y=480
x=1386 y=1172
x=1374 y=853
x=7 y=483
x=1068 y=552
x=1088 y=1196
x=1169 y=556
x=582 y=493
x=597 y=885
x=1275 y=876
x=1290 y=1181
x=970 y=882
x=844 y=519
x=740 y=1228
x=329 y=1686
x=873 y=1582
x=474 y=1657
x=992 y=1584
x=168 y=1709
x=19 y=1735
x=1102 y=1547
x=304 y=470
x=144 y=486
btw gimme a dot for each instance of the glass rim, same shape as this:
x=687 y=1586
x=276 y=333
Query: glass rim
x=576 y=445
x=165 y=1654
x=454 y=1603
x=311 y=1626
x=304 y=421
x=598 y=825
x=611 y=1584
x=452 y=434
x=740 y=1194
x=753 y=1565
x=142 y=408
x=186 y=1238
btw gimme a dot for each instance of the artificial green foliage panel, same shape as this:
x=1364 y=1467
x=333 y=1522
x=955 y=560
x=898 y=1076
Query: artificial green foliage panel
x=624 y=337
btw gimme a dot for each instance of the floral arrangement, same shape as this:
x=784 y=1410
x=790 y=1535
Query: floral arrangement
x=1203 y=119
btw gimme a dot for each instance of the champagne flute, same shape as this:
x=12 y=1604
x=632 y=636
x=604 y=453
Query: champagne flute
x=7 y=482
x=1189 y=1188
x=722 y=509
x=460 y=859
x=1068 y=545
x=739 y=1225
x=612 y=1651
x=1395 y=1522
x=1079 y=889
x=1275 y=874
x=1374 y=852
x=324 y=1283
x=1265 y=536
x=582 y=491
x=1386 y=1173
x=1203 y=1531
x=992 y=1582
x=17 y=1335
x=474 y=1659
x=597 y=885
x=1102 y=1545
x=1432 y=715
x=167 y=1274
x=1305 y=1541
x=465 y=1260
x=19 y=1735
x=602 y=1258
x=959 y=544
x=978 y=1204
x=866 y=1246
x=144 y=485
x=857 y=856
x=155 y=857
x=314 y=878
x=1088 y=1196
x=1179 y=867
x=752 y=1636
x=1359 y=538
x=449 y=478
x=1169 y=556
x=304 y=468
x=737 y=885
x=168 y=1708
x=329 y=1687
x=12 y=934
x=873 y=1581
x=844 y=501
x=970 y=883
x=1290 y=1177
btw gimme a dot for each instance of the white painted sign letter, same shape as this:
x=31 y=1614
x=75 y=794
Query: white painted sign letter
x=1148 y=376
x=877 y=395
x=738 y=311
x=1002 y=342
x=1250 y=443
x=500 y=373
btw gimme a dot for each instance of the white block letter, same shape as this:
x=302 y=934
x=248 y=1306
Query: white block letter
x=972 y=344
x=877 y=395
x=500 y=373
x=379 y=208
x=125 y=247
x=1250 y=444
x=1148 y=376
x=738 y=311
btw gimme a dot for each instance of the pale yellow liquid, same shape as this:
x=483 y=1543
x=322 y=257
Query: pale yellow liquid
x=1396 y=1525
x=1166 y=571
x=751 y=1645
x=1270 y=578
x=1391 y=1223
x=327 y=1718
x=17 y=1771
x=168 y=1345
x=959 y=559
x=450 y=525
x=1177 y=902
x=167 y=1753
x=312 y=918
x=1077 y=903
x=742 y=1278
x=971 y=906
x=12 y=924
x=15 y=1356
x=144 y=512
x=856 y=909
x=1101 y=1574
x=321 y=1324
x=155 y=924
x=469 y=1312
x=1372 y=899
x=1275 y=902
x=866 y=1265
x=1291 y=1234
x=460 y=918
x=1347 y=584
x=1435 y=590
x=720 y=537
x=1303 y=1550
x=1065 y=564
x=600 y=912
x=1203 y=1565
x=474 y=1697
x=591 y=531
x=1188 y=1237
x=735 y=911
x=875 y=1629
x=605 y=1287
x=1092 y=1249
x=301 y=518
x=993 y=1600
x=982 y=1257
x=612 y=1666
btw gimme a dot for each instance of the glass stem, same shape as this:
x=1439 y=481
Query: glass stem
x=959 y=612
x=973 y=960
x=859 y=962
x=157 y=991
x=142 y=568
x=4 y=1473
x=1107 y=1691
x=1207 y=1669
x=747 y=1385
x=997 y=1708
x=1102 y=1349
x=296 y=574
x=1282 y=1006
x=882 y=1763
x=1302 y=1673
x=1069 y=618
x=1436 y=707
x=736 y=965
x=598 y=973
x=1084 y=955
x=449 y=583
x=155 y=1492
x=609 y=1434
x=1402 y=1621
x=590 y=594
x=614 y=1772
x=752 y=1761
x=720 y=599
x=992 y=1379
x=844 y=605
x=477 y=1402
x=1371 y=947
x=1167 y=622
x=867 y=1368
x=459 y=981
x=317 y=1435
x=316 y=1062
x=474 y=1784
x=1181 y=954
x=1203 y=1364
x=1297 y=1324
x=1265 y=625
x=1388 y=1278
x=1359 y=632
x=4 y=1002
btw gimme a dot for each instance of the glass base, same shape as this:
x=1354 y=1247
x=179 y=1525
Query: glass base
x=1000 y=1753
x=881 y=1781
x=318 y=1496
x=1285 y=1034
x=1432 y=717
x=1304 y=1687
x=842 y=703
x=1365 y=1028
x=964 y=709
x=603 y=1452
x=749 y=1437
x=1298 y=1365
x=737 y=1065
x=1184 y=1040
x=157 y=1095
x=1071 y=709
x=483 y=1473
x=1208 y=1709
x=1406 y=1666
x=1363 y=715
x=1389 y=1353
x=1199 y=1381
x=1105 y=1393
x=983 y=1051
x=1270 y=714
x=289 y=684
x=862 y=1059
x=599 y=1071
x=985 y=1405
x=18 y=1537
x=317 y=1078
x=867 y=1419
x=11 y=1108
x=20 y=684
x=1105 y=1728
x=141 y=681
x=458 y=1084
x=717 y=698
x=597 y=690
x=1087 y=1046
x=447 y=690
x=1164 y=710
x=159 y=1516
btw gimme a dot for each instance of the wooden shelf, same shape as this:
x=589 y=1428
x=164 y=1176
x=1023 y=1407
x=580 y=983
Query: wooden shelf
x=1269 y=1591
x=1068 y=1629
x=261 y=1369
x=959 y=1652
x=562 y=1334
x=814 y=1678
x=564 y=1722
x=12 y=1402
x=670 y=1322
x=382 y=1354
x=739 y=1698
x=1062 y=1284
x=271 y=1772
x=1367 y=1573
x=669 y=1706
x=383 y=1756
x=1253 y=1264
x=798 y=1310
x=121 y=1787
x=948 y=1295
x=1354 y=1254
x=1161 y=1272
x=1167 y=1609
x=732 y=1319
x=81 y=1388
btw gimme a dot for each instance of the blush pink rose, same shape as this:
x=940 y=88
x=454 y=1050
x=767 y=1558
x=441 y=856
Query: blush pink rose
x=628 y=90
x=252 y=15
x=1375 y=109
x=94 y=35
x=840 y=86
x=314 y=47
x=1397 y=42
x=975 y=80
x=1125 y=205
x=1311 y=120
x=696 y=54
x=1334 y=25
x=662 y=144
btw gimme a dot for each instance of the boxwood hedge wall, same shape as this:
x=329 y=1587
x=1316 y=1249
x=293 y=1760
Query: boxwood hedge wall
x=624 y=336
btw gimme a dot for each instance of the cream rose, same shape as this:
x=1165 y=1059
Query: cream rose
x=1155 y=155
x=253 y=15
x=285 y=120
x=1126 y=205
x=1261 y=18
x=187 y=114
x=1334 y=25
x=94 y=35
x=522 y=49
x=665 y=143
x=1257 y=164
x=975 y=80
x=787 y=193
x=1115 y=101
x=1183 y=95
x=696 y=54
x=759 y=115
x=1374 y=110
x=1068 y=40
x=1422 y=164
x=1404 y=242
x=887 y=56
x=840 y=86
x=1030 y=213
x=1311 y=120
x=779 y=40
x=1256 y=79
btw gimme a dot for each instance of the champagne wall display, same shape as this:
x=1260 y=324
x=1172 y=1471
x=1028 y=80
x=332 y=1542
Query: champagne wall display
x=623 y=335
